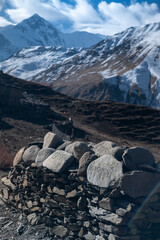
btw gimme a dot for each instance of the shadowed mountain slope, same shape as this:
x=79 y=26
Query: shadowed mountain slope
x=124 y=124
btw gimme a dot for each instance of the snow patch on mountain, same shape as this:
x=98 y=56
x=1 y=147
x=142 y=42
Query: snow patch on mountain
x=30 y=62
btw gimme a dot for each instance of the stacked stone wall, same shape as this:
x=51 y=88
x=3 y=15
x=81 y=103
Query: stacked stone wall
x=72 y=206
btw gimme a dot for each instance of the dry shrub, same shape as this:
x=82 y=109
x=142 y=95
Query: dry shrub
x=6 y=159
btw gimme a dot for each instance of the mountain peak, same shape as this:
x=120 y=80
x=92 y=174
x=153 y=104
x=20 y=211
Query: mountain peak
x=35 y=21
x=35 y=17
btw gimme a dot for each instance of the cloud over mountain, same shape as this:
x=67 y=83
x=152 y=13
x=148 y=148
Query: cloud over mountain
x=81 y=15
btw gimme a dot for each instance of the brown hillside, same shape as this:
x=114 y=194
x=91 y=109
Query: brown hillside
x=94 y=121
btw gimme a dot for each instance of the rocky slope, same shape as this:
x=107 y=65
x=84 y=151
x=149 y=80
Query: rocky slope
x=22 y=104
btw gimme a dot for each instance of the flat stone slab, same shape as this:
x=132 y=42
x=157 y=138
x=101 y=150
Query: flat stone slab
x=138 y=184
x=58 y=161
x=106 y=217
x=136 y=156
x=104 y=171
x=51 y=140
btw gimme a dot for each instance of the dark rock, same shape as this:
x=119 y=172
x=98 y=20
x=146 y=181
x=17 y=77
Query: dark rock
x=84 y=161
x=82 y=203
x=136 y=156
x=139 y=184
x=107 y=203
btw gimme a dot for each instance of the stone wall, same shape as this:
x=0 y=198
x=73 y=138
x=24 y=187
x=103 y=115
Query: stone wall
x=86 y=191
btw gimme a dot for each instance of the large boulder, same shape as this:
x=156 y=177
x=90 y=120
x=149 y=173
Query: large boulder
x=134 y=157
x=51 y=140
x=43 y=155
x=77 y=149
x=18 y=158
x=111 y=148
x=30 y=154
x=138 y=184
x=104 y=171
x=58 y=161
x=84 y=161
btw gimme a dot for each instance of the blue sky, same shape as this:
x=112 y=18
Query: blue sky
x=104 y=17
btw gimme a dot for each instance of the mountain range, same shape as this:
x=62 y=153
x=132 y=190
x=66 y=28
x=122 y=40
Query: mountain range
x=36 y=31
x=124 y=67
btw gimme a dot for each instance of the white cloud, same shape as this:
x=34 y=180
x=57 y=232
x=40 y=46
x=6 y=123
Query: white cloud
x=4 y=22
x=107 y=19
x=118 y=17
x=26 y=8
x=1 y=4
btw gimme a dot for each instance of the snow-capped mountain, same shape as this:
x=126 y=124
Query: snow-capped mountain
x=36 y=31
x=124 y=67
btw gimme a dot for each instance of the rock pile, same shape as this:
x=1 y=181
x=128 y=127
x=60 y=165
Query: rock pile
x=86 y=191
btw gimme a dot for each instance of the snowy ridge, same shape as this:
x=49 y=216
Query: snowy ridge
x=31 y=61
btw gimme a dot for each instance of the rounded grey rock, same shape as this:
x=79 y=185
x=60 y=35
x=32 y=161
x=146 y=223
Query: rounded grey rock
x=108 y=147
x=30 y=154
x=43 y=155
x=77 y=149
